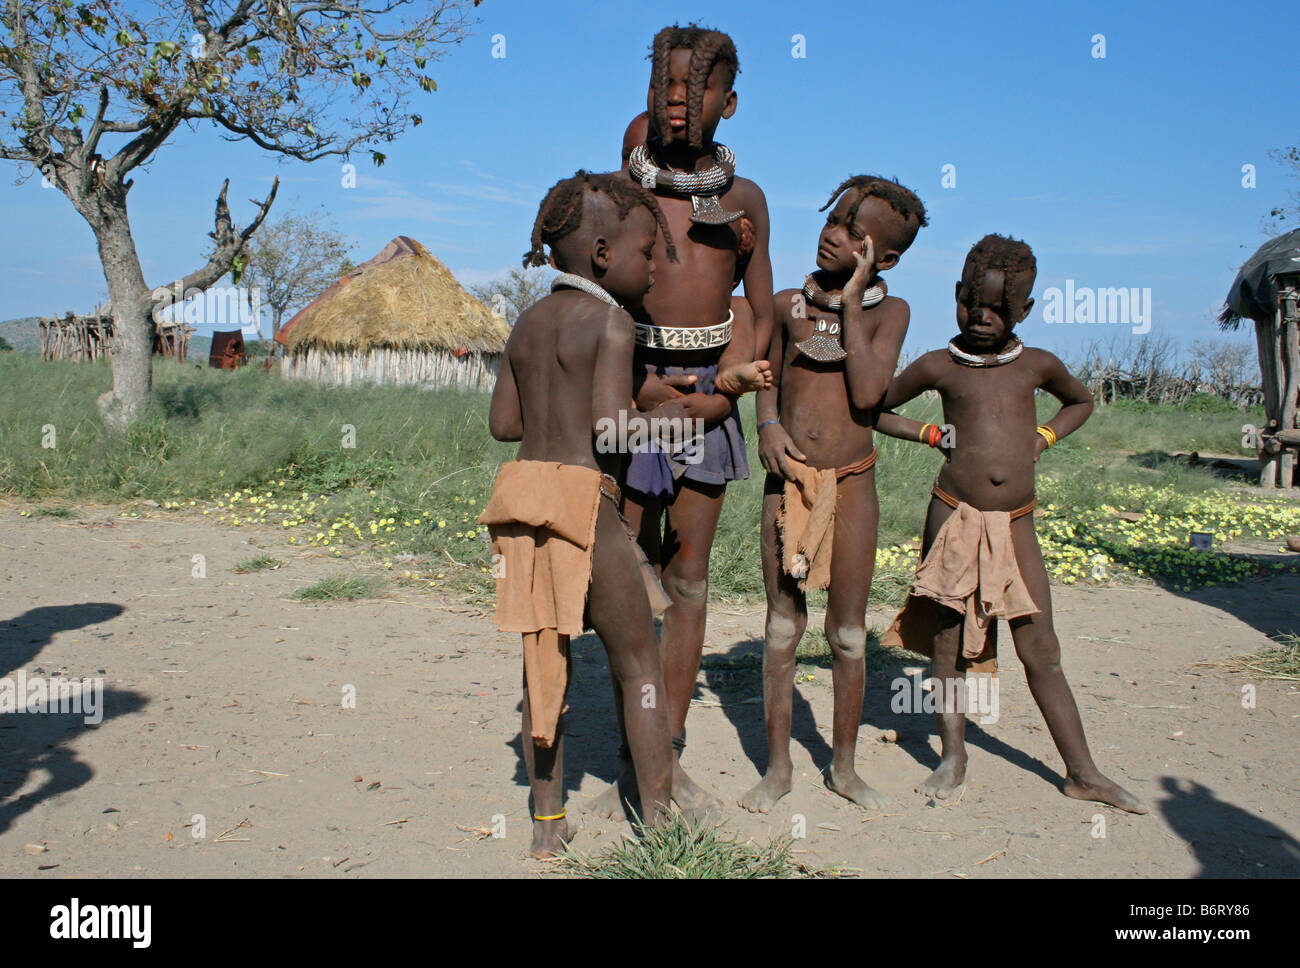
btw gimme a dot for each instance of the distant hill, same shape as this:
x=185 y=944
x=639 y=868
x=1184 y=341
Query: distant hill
x=22 y=334
x=200 y=348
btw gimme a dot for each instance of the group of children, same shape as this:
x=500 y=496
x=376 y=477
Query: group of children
x=642 y=332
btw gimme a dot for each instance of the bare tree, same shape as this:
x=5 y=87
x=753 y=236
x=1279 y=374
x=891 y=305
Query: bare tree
x=511 y=294
x=1283 y=217
x=75 y=77
x=292 y=260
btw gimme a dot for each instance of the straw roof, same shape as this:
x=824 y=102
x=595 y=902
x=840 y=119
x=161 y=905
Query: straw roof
x=403 y=298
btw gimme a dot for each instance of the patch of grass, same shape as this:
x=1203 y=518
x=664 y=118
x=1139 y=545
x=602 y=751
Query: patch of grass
x=260 y=563
x=341 y=588
x=411 y=474
x=1281 y=661
x=53 y=512
x=680 y=850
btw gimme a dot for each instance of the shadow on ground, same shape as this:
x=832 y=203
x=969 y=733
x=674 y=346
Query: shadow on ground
x=40 y=741
x=1227 y=840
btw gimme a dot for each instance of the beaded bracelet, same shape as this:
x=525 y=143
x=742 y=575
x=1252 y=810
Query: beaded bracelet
x=1047 y=433
x=930 y=434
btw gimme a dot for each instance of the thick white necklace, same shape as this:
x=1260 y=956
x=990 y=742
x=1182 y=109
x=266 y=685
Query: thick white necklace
x=970 y=359
x=818 y=296
x=707 y=182
x=703 y=186
x=586 y=285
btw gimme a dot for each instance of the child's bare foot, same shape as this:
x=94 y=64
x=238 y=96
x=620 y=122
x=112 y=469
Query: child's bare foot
x=763 y=797
x=745 y=378
x=693 y=798
x=610 y=803
x=946 y=781
x=850 y=786
x=549 y=836
x=1103 y=790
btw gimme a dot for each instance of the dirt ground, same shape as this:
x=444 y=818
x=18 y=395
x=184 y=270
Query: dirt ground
x=224 y=714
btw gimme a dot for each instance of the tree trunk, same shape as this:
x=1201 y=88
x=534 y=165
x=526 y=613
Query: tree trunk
x=133 y=324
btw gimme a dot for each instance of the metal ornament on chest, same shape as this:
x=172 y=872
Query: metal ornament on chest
x=824 y=344
x=704 y=187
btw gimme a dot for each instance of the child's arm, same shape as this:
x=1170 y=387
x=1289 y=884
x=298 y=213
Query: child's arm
x=908 y=385
x=654 y=390
x=739 y=372
x=1076 y=401
x=505 y=416
x=873 y=338
x=899 y=427
x=758 y=274
x=774 y=444
x=611 y=384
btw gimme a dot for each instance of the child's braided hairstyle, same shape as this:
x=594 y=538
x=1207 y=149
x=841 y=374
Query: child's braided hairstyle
x=902 y=200
x=1013 y=258
x=561 y=210
x=708 y=48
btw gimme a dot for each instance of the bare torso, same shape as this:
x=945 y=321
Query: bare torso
x=993 y=413
x=552 y=353
x=814 y=404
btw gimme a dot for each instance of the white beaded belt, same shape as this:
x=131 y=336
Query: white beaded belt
x=685 y=337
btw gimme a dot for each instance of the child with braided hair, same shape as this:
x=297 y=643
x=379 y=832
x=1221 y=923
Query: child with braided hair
x=563 y=556
x=688 y=339
x=834 y=350
x=980 y=555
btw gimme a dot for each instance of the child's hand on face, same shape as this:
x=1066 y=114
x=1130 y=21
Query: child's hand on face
x=864 y=273
x=745 y=378
x=658 y=390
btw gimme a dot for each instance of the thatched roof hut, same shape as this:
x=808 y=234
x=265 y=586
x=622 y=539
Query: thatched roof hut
x=399 y=318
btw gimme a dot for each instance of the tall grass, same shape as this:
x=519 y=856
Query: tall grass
x=405 y=471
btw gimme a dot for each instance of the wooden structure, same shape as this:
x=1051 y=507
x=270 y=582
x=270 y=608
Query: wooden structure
x=1280 y=345
x=227 y=351
x=400 y=318
x=88 y=338
x=1267 y=292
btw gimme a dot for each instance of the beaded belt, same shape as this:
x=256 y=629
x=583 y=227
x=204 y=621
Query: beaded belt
x=685 y=337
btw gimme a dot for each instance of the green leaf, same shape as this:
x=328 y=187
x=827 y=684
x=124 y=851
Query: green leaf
x=237 y=266
x=378 y=157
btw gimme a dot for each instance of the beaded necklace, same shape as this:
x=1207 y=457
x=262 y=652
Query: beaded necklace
x=971 y=359
x=703 y=186
x=586 y=285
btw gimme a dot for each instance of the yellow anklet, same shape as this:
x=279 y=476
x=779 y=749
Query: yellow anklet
x=558 y=816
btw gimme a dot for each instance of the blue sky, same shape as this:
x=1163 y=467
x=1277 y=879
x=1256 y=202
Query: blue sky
x=1120 y=172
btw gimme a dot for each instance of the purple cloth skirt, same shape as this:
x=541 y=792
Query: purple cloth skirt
x=658 y=474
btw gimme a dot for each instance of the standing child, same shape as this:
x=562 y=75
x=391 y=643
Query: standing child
x=980 y=557
x=688 y=331
x=834 y=350
x=562 y=556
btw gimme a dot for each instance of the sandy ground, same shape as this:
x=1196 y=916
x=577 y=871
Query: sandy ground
x=224 y=705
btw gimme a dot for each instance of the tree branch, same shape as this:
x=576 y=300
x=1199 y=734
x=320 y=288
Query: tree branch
x=229 y=243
